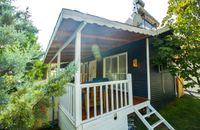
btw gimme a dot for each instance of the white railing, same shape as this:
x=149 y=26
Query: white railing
x=67 y=101
x=96 y=99
x=102 y=98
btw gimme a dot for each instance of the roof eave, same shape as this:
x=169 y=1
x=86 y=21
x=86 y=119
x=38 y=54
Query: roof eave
x=91 y=19
x=78 y=16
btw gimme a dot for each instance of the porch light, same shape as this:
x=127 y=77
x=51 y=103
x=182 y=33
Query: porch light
x=135 y=63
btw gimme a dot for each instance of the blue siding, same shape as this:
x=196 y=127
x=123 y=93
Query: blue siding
x=137 y=50
x=134 y=50
x=160 y=81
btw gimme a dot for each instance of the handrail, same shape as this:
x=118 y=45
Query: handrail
x=102 y=83
x=67 y=101
x=104 y=98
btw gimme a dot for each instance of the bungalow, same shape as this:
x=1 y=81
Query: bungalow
x=115 y=76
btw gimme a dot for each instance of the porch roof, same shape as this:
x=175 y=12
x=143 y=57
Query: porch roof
x=98 y=31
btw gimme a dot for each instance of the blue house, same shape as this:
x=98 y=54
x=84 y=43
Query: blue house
x=115 y=76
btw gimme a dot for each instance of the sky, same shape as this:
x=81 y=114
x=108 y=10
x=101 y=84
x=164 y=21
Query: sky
x=45 y=12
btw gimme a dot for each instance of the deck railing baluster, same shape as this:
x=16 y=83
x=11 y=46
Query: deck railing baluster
x=70 y=99
x=112 y=101
x=125 y=95
x=121 y=101
x=107 y=98
x=117 y=100
x=95 y=106
x=101 y=100
x=88 y=103
x=67 y=100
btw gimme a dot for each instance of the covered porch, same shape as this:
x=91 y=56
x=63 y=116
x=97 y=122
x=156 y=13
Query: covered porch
x=84 y=39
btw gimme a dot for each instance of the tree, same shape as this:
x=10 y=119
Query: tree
x=180 y=50
x=22 y=94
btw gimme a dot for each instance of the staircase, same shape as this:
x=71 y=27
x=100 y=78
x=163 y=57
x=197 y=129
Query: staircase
x=150 y=111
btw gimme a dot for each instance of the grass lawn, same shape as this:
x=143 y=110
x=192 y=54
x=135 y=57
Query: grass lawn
x=182 y=113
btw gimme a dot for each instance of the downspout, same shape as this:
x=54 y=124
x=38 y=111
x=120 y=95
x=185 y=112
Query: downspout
x=53 y=102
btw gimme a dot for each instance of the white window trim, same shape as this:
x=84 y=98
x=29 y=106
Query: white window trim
x=116 y=55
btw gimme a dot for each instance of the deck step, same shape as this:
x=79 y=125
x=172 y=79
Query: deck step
x=157 y=123
x=149 y=114
x=148 y=106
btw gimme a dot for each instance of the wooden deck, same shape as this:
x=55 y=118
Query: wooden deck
x=138 y=100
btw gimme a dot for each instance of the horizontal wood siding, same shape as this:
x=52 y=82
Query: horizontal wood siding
x=139 y=83
x=64 y=122
x=139 y=76
x=162 y=84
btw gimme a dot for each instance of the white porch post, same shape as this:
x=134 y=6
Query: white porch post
x=130 y=89
x=148 y=69
x=78 y=108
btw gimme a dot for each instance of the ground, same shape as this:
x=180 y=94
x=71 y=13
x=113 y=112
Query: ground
x=182 y=113
x=56 y=128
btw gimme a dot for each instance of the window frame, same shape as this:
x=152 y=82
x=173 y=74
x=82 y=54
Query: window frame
x=115 y=56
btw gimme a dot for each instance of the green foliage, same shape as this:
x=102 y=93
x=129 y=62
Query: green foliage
x=17 y=116
x=179 y=51
x=6 y=11
x=30 y=101
x=36 y=70
x=41 y=108
x=13 y=59
x=56 y=84
x=24 y=98
x=8 y=35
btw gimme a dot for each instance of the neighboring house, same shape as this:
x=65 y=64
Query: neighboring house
x=115 y=76
x=141 y=18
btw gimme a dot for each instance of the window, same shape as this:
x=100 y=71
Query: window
x=115 y=67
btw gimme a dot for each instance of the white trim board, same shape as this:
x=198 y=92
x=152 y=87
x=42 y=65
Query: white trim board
x=148 y=69
x=91 y=19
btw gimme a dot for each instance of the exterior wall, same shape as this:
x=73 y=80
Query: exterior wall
x=109 y=123
x=134 y=50
x=162 y=87
x=159 y=81
x=64 y=122
x=106 y=122
x=162 y=84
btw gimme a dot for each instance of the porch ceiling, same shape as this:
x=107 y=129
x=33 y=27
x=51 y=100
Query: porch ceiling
x=105 y=36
